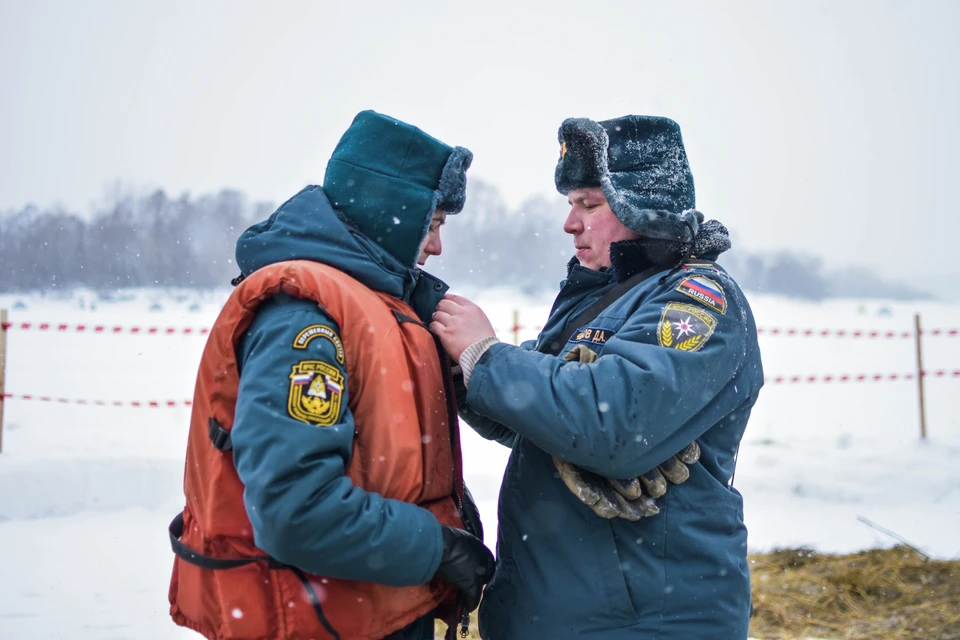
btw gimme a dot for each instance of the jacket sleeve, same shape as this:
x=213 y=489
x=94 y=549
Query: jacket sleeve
x=482 y=425
x=650 y=393
x=305 y=512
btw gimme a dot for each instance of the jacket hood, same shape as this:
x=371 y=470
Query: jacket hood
x=306 y=227
x=387 y=177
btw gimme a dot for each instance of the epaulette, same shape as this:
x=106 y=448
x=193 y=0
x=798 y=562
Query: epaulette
x=700 y=265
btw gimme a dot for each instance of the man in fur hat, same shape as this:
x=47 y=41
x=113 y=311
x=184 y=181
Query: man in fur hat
x=658 y=355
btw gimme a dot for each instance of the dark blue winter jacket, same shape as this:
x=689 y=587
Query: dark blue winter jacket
x=679 y=361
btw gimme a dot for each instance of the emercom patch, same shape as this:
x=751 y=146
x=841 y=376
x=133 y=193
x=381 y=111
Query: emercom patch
x=593 y=335
x=315 y=391
x=685 y=327
x=706 y=291
x=319 y=331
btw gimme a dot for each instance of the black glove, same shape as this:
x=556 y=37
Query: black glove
x=471 y=515
x=466 y=564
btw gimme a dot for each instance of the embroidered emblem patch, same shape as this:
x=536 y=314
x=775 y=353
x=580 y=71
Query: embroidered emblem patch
x=592 y=334
x=685 y=327
x=705 y=290
x=319 y=331
x=315 y=392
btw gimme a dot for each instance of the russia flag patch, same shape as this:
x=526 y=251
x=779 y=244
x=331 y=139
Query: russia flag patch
x=705 y=291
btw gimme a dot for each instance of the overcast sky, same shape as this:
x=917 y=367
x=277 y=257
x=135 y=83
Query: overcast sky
x=829 y=127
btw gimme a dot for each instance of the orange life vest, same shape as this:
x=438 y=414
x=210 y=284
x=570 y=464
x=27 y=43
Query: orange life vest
x=406 y=447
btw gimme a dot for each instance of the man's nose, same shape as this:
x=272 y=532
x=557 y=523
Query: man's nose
x=572 y=224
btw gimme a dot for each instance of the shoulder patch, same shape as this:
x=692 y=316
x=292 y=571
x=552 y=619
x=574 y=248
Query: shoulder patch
x=704 y=290
x=684 y=327
x=315 y=391
x=302 y=341
x=593 y=335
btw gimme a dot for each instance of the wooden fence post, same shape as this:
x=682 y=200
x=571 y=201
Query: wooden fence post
x=516 y=326
x=920 y=374
x=3 y=367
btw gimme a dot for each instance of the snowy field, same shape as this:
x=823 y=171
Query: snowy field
x=86 y=491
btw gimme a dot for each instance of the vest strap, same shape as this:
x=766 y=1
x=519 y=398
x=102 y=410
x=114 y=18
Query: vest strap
x=219 y=436
x=607 y=299
x=401 y=318
x=209 y=562
x=315 y=603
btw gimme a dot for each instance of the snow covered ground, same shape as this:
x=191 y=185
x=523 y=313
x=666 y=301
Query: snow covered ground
x=86 y=491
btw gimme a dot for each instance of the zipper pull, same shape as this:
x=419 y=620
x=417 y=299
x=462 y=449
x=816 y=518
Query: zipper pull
x=465 y=624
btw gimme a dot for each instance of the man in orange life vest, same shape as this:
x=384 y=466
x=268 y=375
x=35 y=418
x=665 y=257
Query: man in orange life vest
x=323 y=483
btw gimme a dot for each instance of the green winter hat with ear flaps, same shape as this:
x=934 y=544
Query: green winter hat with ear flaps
x=387 y=177
x=641 y=165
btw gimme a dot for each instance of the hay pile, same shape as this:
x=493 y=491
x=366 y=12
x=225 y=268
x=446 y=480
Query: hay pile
x=884 y=594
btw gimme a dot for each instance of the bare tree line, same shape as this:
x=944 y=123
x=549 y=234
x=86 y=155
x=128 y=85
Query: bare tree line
x=159 y=241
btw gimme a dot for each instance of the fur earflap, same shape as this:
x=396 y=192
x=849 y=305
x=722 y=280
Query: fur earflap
x=452 y=192
x=583 y=155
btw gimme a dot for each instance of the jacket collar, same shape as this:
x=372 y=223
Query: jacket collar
x=306 y=227
x=630 y=257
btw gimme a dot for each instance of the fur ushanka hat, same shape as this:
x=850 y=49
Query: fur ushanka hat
x=641 y=165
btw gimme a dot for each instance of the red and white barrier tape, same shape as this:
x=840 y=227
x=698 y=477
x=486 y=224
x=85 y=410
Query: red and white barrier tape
x=103 y=329
x=853 y=333
x=152 y=331
x=862 y=377
x=519 y=327
x=791 y=379
x=153 y=404
x=763 y=331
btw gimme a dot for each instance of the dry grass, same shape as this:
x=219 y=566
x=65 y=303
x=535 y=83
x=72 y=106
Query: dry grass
x=887 y=594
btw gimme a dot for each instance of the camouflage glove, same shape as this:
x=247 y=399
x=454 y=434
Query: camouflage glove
x=631 y=498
